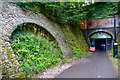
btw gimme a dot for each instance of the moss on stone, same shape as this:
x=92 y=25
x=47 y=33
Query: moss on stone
x=0 y=48
x=12 y=70
x=3 y=48
x=19 y=75
x=75 y=35
x=12 y=66
x=9 y=53
x=1 y=42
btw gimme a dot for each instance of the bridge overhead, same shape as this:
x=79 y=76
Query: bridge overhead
x=99 y=26
x=99 y=23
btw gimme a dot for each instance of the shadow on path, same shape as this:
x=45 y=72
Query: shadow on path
x=96 y=65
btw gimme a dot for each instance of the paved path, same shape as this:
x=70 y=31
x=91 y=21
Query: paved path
x=96 y=65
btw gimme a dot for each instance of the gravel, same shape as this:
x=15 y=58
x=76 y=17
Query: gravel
x=113 y=60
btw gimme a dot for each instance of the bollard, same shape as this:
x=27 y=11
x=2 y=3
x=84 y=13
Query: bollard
x=115 y=49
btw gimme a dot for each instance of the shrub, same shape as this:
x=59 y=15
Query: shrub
x=75 y=50
x=34 y=53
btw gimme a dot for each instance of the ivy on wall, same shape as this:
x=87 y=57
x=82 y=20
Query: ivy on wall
x=76 y=40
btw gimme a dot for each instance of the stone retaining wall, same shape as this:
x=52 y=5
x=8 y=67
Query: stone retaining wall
x=11 y=16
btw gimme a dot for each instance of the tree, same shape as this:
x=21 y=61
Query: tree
x=71 y=12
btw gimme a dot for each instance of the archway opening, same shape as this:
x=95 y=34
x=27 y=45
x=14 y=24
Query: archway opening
x=35 y=48
x=101 y=41
x=33 y=28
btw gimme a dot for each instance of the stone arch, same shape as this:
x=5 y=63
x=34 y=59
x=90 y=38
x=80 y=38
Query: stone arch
x=15 y=16
x=104 y=31
x=106 y=40
x=12 y=15
x=32 y=26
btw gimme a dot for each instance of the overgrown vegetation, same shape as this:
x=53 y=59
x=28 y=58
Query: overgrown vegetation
x=77 y=53
x=71 y=12
x=118 y=41
x=75 y=38
x=34 y=53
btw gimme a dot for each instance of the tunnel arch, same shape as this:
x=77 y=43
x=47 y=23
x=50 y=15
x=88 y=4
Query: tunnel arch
x=100 y=33
x=99 y=38
x=94 y=32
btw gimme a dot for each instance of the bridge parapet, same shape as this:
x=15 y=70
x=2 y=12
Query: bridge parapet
x=106 y=22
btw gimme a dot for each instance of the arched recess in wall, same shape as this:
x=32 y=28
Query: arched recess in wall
x=34 y=28
x=33 y=45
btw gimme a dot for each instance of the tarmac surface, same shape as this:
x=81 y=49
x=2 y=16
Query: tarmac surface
x=96 y=65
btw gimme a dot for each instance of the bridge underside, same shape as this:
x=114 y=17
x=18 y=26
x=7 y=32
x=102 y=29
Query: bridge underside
x=97 y=37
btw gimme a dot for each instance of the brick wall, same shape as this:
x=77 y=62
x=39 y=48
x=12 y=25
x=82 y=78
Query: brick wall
x=99 y=23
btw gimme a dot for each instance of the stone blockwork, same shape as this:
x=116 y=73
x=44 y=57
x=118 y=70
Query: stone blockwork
x=11 y=16
x=10 y=66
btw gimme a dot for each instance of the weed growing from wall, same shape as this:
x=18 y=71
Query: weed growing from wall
x=77 y=53
x=34 y=53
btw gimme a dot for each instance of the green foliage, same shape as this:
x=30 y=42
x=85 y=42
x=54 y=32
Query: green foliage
x=76 y=51
x=118 y=7
x=75 y=35
x=101 y=9
x=35 y=54
x=111 y=50
x=71 y=12
x=118 y=41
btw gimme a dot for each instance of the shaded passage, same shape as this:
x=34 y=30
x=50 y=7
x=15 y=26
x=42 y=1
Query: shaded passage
x=96 y=65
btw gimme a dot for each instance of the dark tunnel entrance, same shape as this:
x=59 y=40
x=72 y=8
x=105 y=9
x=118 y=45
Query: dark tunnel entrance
x=101 y=41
